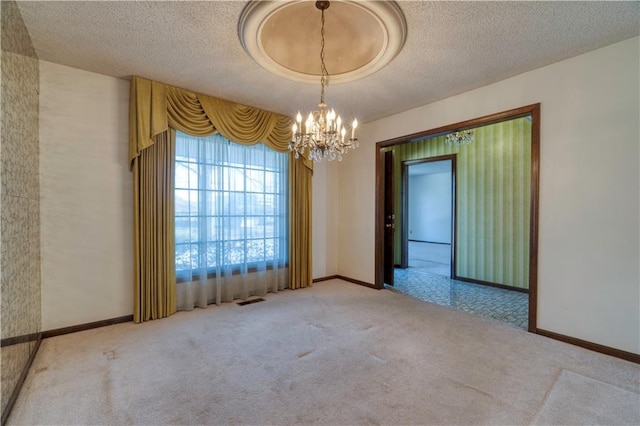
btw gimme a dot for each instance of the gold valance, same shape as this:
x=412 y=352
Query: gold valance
x=154 y=107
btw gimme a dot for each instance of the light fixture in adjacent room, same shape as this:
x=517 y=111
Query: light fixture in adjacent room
x=322 y=135
x=464 y=137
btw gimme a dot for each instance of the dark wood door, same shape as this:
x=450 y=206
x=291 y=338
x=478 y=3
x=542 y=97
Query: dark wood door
x=389 y=218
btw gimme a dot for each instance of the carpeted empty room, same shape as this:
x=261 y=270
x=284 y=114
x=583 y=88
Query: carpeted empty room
x=335 y=353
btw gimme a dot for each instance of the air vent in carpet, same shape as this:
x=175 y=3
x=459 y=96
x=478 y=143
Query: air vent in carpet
x=248 y=302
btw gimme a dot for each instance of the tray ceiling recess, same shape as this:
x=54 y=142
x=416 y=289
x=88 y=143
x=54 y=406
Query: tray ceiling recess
x=284 y=38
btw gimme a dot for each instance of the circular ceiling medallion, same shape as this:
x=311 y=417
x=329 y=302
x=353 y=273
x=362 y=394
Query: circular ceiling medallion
x=360 y=37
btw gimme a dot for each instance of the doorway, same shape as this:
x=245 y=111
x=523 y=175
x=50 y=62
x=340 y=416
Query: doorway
x=494 y=242
x=428 y=188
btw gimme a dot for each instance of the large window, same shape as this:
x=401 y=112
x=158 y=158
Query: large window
x=230 y=207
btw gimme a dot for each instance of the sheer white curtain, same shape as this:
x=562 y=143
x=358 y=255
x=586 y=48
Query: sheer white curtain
x=231 y=220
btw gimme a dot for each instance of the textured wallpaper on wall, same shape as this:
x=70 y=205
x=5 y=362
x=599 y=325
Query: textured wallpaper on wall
x=20 y=311
x=493 y=190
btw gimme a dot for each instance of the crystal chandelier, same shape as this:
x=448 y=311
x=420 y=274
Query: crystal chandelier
x=464 y=137
x=322 y=134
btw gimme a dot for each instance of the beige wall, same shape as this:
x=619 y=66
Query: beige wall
x=325 y=218
x=19 y=211
x=589 y=249
x=86 y=197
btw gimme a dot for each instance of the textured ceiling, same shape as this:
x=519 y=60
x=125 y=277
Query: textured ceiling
x=451 y=47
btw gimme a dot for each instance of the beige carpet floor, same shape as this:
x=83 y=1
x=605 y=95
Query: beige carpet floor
x=337 y=354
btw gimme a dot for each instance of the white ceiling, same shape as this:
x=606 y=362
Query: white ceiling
x=451 y=47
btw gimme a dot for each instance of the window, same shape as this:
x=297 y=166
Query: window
x=230 y=207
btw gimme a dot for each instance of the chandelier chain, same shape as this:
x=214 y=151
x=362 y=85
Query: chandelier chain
x=324 y=79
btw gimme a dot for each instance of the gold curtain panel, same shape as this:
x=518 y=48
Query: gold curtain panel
x=154 y=290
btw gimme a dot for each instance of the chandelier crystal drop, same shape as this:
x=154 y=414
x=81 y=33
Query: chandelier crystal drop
x=322 y=135
x=464 y=137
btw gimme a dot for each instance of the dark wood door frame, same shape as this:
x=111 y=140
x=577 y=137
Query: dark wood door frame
x=404 y=225
x=529 y=110
x=390 y=218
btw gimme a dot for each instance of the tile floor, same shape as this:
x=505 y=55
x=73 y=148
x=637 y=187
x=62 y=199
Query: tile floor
x=427 y=279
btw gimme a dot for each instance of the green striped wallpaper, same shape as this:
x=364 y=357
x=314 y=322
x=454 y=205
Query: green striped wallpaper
x=493 y=198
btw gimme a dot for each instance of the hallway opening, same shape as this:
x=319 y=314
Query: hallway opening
x=475 y=251
x=429 y=191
